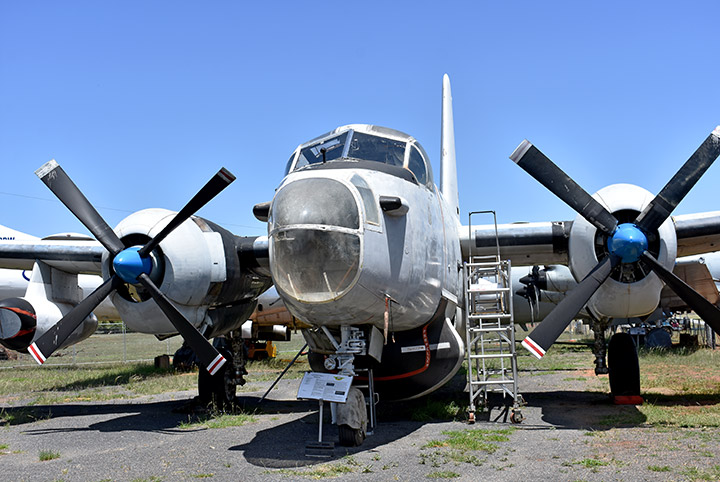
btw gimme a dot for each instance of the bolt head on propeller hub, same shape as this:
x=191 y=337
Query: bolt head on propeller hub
x=628 y=243
x=129 y=265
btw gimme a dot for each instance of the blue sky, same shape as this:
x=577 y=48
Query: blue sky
x=142 y=102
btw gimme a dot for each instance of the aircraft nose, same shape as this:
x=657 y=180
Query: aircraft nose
x=315 y=242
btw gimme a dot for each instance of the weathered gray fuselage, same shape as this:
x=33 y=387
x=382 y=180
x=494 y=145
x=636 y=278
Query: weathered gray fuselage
x=348 y=234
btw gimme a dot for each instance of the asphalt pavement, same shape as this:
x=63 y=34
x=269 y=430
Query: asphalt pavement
x=568 y=433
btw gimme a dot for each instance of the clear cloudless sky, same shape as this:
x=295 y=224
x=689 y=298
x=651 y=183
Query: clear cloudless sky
x=141 y=102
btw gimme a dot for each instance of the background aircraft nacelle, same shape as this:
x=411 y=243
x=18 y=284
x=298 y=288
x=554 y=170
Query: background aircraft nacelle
x=633 y=290
x=196 y=267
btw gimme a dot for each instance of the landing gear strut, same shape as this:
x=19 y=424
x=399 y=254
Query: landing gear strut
x=219 y=390
x=352 y=416
x=599 y=327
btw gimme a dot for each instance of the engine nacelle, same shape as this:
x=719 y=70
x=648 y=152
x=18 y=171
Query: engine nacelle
x=632 y=290
x=18 y=323
x=196 y=267
x=22 y=322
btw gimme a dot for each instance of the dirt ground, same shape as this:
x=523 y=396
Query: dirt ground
x=571 y=432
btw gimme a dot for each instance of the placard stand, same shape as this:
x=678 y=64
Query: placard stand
x=323 y=387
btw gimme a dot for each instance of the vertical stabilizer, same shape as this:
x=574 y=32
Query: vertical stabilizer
x=448 y=169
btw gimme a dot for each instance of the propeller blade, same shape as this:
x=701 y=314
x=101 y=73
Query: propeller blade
x=675 y=190
x=545 y=334
x=206 y=353
x=706 y=310
x=537 y=164
x=62 y=186
x=46 y=345
x=212 y=188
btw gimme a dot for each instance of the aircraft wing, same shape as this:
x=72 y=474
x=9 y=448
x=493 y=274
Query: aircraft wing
x=72 y=256
x=547 y=242
x=523 y=243
x=697 y=271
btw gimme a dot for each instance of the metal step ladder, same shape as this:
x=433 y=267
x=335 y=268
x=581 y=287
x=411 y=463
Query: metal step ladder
x=490 y=332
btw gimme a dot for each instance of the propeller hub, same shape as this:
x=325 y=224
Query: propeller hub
x=129 y=265
x=628 y=242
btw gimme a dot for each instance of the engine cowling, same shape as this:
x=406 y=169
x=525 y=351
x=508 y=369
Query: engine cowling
x=18 y=323
x=633 y=290
x=196 y=267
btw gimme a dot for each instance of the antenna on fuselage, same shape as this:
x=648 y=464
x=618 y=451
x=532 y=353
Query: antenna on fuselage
x=448 y=168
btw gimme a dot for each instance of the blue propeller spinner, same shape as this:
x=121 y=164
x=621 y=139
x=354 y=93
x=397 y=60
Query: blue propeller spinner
x=129 y=264
x=628 y=243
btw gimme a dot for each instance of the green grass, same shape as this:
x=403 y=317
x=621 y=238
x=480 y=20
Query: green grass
x=318 y=472
x=45 y=455
x=693 y=473
x=221 y=420
x=443 y=475
x=475 y=439
x=433 y=409
x=659 y=468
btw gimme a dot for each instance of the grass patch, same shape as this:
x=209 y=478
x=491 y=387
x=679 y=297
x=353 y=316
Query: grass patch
x=318 y=472
x=21 y=415
x=45 y=455
x=438 y=410
x=693 y=473
x=47 y=385
x=219 y=420
x=659 y=468
x=443 y=475
x=477 y=440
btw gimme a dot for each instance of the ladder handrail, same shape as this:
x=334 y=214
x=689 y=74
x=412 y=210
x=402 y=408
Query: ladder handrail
x=497 y=238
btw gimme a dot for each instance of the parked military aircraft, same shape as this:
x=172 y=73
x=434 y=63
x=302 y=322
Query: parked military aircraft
x=361 y=246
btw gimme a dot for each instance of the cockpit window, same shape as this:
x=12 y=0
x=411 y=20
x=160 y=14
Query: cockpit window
x=416 y=164
x=374 y=148
x=327 y=150
x=289 y=163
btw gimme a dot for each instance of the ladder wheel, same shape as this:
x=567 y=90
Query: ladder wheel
x=516 y=416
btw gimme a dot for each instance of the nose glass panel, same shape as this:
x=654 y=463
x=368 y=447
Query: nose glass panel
x=313 y=265
x=315 y=201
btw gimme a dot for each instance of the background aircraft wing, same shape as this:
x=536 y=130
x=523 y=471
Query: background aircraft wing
x=547 y=242
x=697 y=233
x=70 y=256
x=697 y=272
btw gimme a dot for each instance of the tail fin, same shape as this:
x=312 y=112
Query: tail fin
x=448 y=168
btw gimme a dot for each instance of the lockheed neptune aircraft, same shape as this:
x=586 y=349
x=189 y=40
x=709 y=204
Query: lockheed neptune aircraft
x=363 y=248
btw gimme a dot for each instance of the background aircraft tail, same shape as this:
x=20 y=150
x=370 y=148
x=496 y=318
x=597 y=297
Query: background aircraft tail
x=8 y=234
x=448 y=169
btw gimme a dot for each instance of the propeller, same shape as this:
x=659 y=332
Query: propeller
x=130 y=264
x=627 y=243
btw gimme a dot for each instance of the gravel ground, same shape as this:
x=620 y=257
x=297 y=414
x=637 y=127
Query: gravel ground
x=565 y=436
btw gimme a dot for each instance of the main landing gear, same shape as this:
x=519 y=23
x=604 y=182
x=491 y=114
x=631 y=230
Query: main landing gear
x=623 y=367
x=624 y=370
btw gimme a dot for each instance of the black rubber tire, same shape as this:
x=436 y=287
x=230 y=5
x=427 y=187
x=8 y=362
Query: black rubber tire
x=214 y=389
x=623 y=365
x=350 y=437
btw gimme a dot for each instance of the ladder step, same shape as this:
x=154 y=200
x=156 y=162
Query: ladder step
x=496 y=355
x=489 y=329
x=504 y=316
x=488 y=290
x=493 y=382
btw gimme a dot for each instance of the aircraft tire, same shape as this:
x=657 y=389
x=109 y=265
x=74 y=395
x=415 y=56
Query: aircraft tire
x=217 y=390
x=350 y=437
x=623 y=365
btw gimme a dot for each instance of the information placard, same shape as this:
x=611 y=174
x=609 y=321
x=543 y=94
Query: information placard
x=324 y=386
